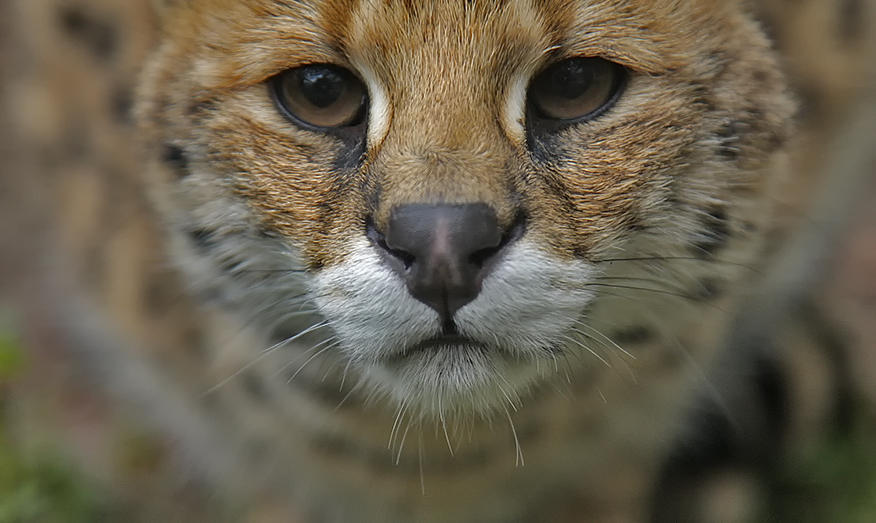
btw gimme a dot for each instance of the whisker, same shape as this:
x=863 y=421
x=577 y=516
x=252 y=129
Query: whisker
x=299 y=356
x=442 y=416
x=514 y=404
x=420 y=455
x=639 y=279
x=518 y=462
x=588 y=349
x=678 y=258
x=272 y=271
x=702 y=376
x=567 y=367
x=255 y=315
x=657 y=291
x=401 y=444
x=315 y=326
x=264 y=353
x=344 y=375
x=347 y=395
x=601 y=335
x=613 y=345
x=308 y=361
x=402 y=408
x=648 y=289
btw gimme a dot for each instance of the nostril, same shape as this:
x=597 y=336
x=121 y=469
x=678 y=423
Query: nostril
x=482 y=256
x=479 y=258
x=379 y=239
x=405 y=257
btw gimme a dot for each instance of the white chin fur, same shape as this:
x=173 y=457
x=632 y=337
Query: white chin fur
x=527 y=306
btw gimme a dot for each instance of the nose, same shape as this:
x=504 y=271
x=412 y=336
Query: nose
x=443 y=251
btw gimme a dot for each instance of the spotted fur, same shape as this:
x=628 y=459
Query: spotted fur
x=595 y=338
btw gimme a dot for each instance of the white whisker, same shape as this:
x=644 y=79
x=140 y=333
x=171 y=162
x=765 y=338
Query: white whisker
x=518 y=462
x=588 y=349
x=292 y=377
x=262 y=354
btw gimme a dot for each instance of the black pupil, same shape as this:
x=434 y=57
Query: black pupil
x=322 y=86
x=570 y=79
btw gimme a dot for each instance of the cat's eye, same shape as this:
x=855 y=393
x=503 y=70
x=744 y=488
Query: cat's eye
x=323 y=96
x=576 y=88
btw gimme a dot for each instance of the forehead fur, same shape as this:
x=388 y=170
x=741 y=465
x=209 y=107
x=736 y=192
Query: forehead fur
x=259 y=38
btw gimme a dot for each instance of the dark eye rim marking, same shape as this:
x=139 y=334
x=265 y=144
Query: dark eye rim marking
x=351 y=131
x=539 y=124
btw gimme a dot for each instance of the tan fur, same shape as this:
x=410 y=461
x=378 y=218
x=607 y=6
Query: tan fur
x=649 y=218
x=472 y=159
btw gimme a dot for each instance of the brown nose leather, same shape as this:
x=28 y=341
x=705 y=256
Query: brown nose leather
x=442 y=251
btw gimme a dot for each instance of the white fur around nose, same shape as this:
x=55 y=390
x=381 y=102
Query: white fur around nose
x=370 y=308
x=527 y=306
x=528 y=301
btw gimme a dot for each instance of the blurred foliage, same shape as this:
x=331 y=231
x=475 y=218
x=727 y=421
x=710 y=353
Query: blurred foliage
x=36 y=487
x=44 y=490
x=836 y=483
x=11 y=356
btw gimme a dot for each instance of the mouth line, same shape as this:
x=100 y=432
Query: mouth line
x=435 y=343
x=447 y=340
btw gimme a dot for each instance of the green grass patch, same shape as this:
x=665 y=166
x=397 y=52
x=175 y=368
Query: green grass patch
x=46 y=490
x=835 y=484
x=37 y=487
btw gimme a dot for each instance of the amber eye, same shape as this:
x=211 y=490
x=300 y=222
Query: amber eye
x=576 y=88
x=324 y=96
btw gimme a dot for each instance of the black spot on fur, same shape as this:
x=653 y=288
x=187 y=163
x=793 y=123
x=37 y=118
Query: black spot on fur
x=718 y=60
x=202 y=238
x=702 y=96
x=714 y=234
x=775 y=141
x=580 y=252
x=772 y=389
x=553 y=183
x=98 y=35
x=351 y=154
x=851 y=20
x=122 y=104
x=203 y=108
x=176 y=158
x=760 y=77
x=715 y=443
x=632 y=335
x=263 y=231
x=729 y=138
x=637 y=226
